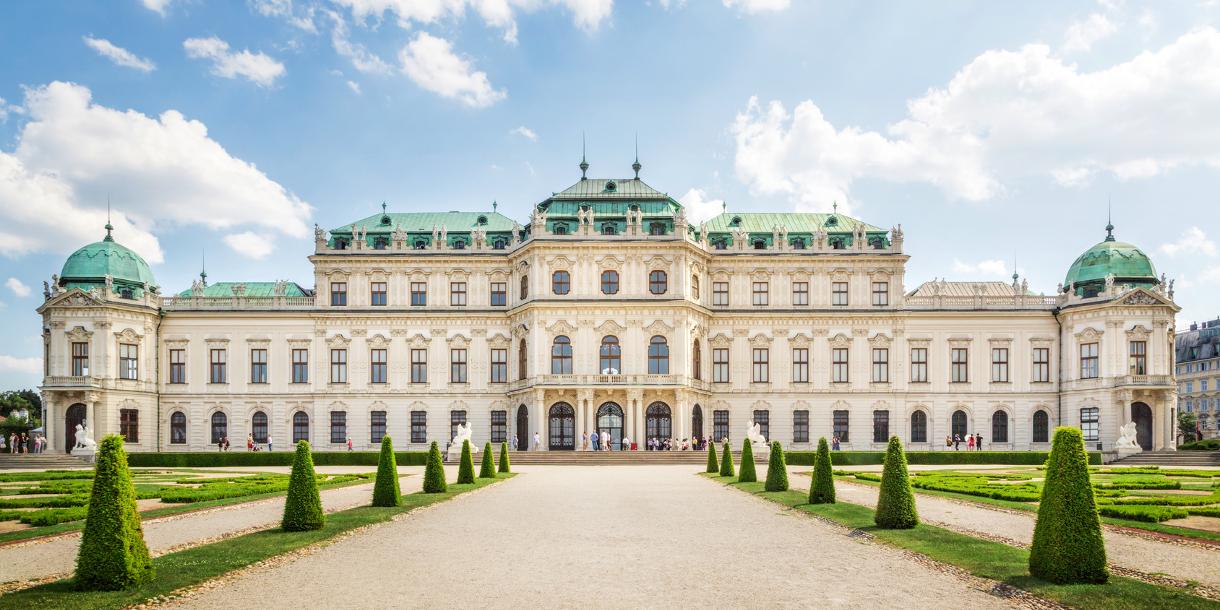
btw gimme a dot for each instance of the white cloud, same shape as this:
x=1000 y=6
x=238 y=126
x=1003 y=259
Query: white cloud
x=524 y=132
x=1192 y=241
x=431 y=63
x=986 y=268
x=757 y=6
x=13 y=364
x=588 y=15
x=161 y=172
x=250 y=244
x=257 y=68
x=158 y=6
x=119 y=55
x=18 y=287
x=1006 y=115
x=284 y=9
x=700 y=207
x=360 y=57
x=1082 y=35
x=354 y=86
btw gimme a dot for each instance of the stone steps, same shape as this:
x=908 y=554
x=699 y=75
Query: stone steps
x=610 y=457
x=1172 y=459
x=40 y=461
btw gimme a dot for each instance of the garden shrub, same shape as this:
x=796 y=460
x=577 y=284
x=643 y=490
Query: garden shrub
x=896 y=503
x=1150 y=514
x=266 y=458
x=1211 y=444
x=434 y=472
x=1207 y=511
x=303 y=507
x=112 y=553
x=487 y=469
x=1138 y=482
x=777 y=470
x=726 y=462
x=747 y=473
x=1068 y=546
x=822 y=487
x=504 y=466
x=385 y=490
x=712 y=466
x=867 y=458
x=466 y=466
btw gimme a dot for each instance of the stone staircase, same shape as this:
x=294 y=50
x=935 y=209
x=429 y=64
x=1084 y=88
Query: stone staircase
x=612 y=458
x=1171 y=459
x=40 y=461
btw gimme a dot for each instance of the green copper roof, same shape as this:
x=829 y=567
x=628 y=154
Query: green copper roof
x=796 y=222
x=91 y=264
x=1127 y=263
x=610 y=188
x=422 y=222
x=253 y=289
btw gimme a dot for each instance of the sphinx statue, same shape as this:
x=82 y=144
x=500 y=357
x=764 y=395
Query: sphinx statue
x=1127 y=437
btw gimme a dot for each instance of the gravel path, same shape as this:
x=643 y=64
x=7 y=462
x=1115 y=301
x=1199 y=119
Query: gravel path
x=621 y=536
x=56 y=556
x=1181 y=561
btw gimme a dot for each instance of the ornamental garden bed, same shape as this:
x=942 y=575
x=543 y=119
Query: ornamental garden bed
x=866 y=458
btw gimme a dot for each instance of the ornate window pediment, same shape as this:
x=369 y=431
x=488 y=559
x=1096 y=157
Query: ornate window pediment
x=881 y=405
x=840 y=340
x=720 y=275
x=610 y=262
x=760 y=340
x=610 y=327
x=919 y=341
x=459 y=341
x=840 y=274
x=499 y=340
x=840 y=405
x=960 y=340
x=800 y=405
x=561 y=327
x=217 y=341
x=800 y=340
x=458 y=405
x=418 y=406
x=260 y=340
x=659 y=327
x=560 y=263
x=78 y=333
x=499 y=275
x=1138 y=333
x=657 y=262
x=880 y=340
x=338 y=341
x=720 y=340
x=1089 y=334
x=1000 y=341
x=1042 y=341
x=760 y=275
x=458 y=275
x=761 y=405
x=378 y=340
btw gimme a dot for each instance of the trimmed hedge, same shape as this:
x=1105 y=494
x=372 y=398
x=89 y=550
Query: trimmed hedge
x=822 y=487
x=112 y=553
x=466 y=466
x=303 y=507
x=867 y=458
x=1068 y=547
x=504 y=466
x=1150 y=514
x=385 y=490
x=777 y=470
x=434 y=472
x=487 y=469
x=896 y=503
x=1211 y=444
x=747 y=473
x=266 y=458
x=712 y=465
x=726 y=462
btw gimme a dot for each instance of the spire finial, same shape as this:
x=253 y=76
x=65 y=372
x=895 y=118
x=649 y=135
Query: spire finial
x=835 y=206
x=203 y=267
x=636 y=166
x=584 y=165
x=1014 y=267
x=383 y=207
x=109 y=227
x=1109 y=221
x=494 y=205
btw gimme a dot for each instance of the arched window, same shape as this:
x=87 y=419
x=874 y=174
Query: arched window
x=798 y=243
x=559 y=229
x=498 y=244
x=380 y=243
x=656 y=228
x=525 y=286
x=720 y=244
x=919 y=427
x=561 y=356
x=522 y=358
x=999 y=427
x=658 y=282
x=421 y=244
x=561 y=282
x=658 y=356
x=177 y=428
x=258 y=427
x=1042 y=426
x=609 y=282
x=220 y=427
x=459 y=244
x=300 y=427
x=959 y=424
x=760 y=244
x=610 y=361
x=696 y=360
x=838 y=243
x=609 y=229
x=694 y=286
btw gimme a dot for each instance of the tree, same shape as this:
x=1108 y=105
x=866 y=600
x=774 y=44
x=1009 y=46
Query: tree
x=303 y=507
x=466 y=466
x=487 y=469
x=822 y=488
x=712 y=466
x=112 y=553
x=1188 y=425
x=1068 y=547
x=726 y=462
x=434 y=472
x=777 y=469
x=896 y=505
x=385 y=490
x=747 y=473
x=504 y=467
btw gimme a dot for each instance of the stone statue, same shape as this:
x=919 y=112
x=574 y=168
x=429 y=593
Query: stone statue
x=319 y=234
x=84 y=436
x=1126 y=437
x=400 y=234
x=46 y=290
x=463 y=434
x=755 y=434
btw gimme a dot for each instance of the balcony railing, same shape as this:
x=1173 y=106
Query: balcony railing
x=982 y=302
x=70 y=381
x=608 y=380
x=191 y=303
x=1120 y=381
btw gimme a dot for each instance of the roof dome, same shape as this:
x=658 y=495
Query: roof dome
x=1126 y=262
x=90 y=265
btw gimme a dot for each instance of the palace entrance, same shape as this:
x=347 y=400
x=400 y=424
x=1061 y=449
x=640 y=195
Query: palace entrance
x=610 y=421
x=658 y=422
x=696 y=423
x=1141 y=414
x=523 y=428
x=562 y=429
x=74 y=416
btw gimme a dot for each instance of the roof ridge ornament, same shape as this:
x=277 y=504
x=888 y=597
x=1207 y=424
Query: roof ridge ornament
x=636 y=166
x=109 y=227
x=1109 y=223
x=584 y=165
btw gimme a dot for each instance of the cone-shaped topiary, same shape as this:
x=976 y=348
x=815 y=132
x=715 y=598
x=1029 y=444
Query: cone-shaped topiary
x=385 y=490
x=1068 y=547
x=726 y=462
x=747 y=473
x=434 y=472
x=896 y=505
x=504 y=467
x=822 y=488
x=712 y=466
x=466 y=467
x=303 y=507
x=112 y=552
x=777 y=469
x=487 y=469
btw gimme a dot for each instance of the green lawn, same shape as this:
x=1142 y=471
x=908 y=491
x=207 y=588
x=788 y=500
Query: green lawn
x=984 y=558
x=193 y=566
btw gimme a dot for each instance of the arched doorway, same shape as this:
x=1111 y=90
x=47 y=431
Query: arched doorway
x=1141 y=414
x=562 y=427
x=610 y=421
x=74 y=416
x=523 y=428
x=658 y=422
x=959 y=425
x=696 y=422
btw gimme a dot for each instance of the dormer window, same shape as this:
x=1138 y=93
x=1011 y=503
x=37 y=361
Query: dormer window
x=482 y=220
x=609 y=229
x=838 y=243
x=459 y=244
x=421 y=244
x=760 y=244
x=498 y=244
x=126 y=293
x=611 y=186
x=656 y=228
x=798 y=243
x=720 y=244
x=877 y=243
x=832 y=222
x=380 y=243
x=560 y=229
x=736 y=222
x=340 y=243
x=385 y=221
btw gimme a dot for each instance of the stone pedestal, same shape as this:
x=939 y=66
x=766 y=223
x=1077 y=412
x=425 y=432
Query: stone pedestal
x=88 y=454
x=1127 y=451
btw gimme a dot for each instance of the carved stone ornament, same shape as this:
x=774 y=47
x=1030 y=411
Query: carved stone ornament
x=840 y=340
x=1141 y=298
x=338 y=341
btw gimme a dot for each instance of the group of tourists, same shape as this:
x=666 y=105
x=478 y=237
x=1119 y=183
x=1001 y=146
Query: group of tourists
x=604 y=442
x=21 y=442
x=252 y=445
x=973 y=442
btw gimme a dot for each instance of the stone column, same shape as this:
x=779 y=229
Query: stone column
x=538 y=410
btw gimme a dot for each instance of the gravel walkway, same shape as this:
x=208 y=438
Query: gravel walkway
x=611 y=536
x=56 y=556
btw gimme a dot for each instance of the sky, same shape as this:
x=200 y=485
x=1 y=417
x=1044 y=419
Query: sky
x=997 y=134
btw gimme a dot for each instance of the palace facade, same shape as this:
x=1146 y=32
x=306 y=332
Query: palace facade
x=607 y=311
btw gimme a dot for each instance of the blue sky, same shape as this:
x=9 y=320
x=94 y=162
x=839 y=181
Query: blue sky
x=990 y=131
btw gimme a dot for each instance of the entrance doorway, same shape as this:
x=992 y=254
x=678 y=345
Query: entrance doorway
x=523 y=428
x=1141 y=414
x=696 y=423
x=562 y=427
x=74 y=416
x=610 y=421
x=658 y=423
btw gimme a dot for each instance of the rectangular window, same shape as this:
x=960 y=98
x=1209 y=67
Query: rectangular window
x=457 y=366
x=129 y=361
x=338 y=294
x=419 y=427
x=419 y=294
x=499 y=294
x=763 y=419
x=80 y=359
x=499 y=426
x=881 y=426
x=800 y=426
x=800 y=365
x=919 y=365
x=720 y=365
x=1088 y=423
x=177 y=366
x=419 y=366
x=258 y=366
x=720 y=294
x=218 y=359
x=999 y=365
x=720 y=425
x=881 y=294
x=959 y=358
x=456 y=418
x=129 y=425
x=838 y=294
x=800 y=293
x=457 y=294
x=300 y=366
x=338 y=366
x=1042 y=365
x=762 y=293
x=1138 y=358
x=338 y=426
x=881 y=365
x=762 y=365
x=499 y=365
x=377 y=294
x=839 y=421
x=379 y=368
x=839 y=368
x=376 y=427
x=1088 y=361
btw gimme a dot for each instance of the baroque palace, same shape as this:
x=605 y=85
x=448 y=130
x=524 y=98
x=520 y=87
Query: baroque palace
x=608 y=311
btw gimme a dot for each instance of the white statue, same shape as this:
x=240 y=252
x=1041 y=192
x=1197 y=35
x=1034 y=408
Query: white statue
x=84 y=436
x=463 y=434
x=1126 y=437
x=755 y=434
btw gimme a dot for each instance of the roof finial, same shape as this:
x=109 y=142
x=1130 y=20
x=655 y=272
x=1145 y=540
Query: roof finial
x=109 y=227
x=1014 y=268
x=724 y=206
x=1109 y=221
x=494 y=205
x=383 y=207
x=835 y=206
x=203 y=267
x=584 y=165
x=636 y=166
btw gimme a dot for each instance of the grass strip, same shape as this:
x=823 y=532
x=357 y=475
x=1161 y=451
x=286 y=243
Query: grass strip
x=195 y=565
x=984 y=558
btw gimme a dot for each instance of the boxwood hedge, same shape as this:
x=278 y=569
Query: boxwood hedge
x=865 y=458
x=266 y=458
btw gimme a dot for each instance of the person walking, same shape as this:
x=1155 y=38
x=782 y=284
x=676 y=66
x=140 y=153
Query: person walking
x=249 y=442
x=978 y=441
x=349 y=443
x=957 y=442
x=537 y=442
x=593 y=438
x=584 y=441
x=969 y=442
x=515 y=442
x=270 y=443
